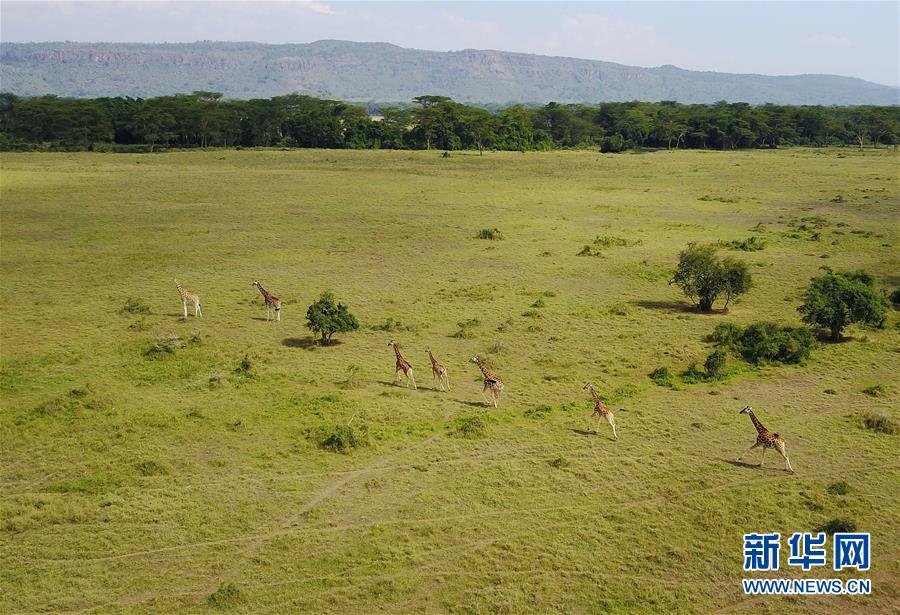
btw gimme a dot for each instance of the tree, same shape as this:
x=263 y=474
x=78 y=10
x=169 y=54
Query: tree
x=703 y=277
x=325 y=318
x=838 y=299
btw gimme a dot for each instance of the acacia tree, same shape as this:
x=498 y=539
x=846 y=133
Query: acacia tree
x=325 y=318
x=838 y=299
x=704 y=277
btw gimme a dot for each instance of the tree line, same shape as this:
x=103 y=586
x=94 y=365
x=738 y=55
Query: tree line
x=205 y=119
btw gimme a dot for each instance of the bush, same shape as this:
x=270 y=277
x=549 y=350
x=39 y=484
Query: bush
x=715 y=364
x=693 y=374
x=469 y=427
x=340 y=438
x=136 y=306
x=589 y=251
x=609 y=241
x=538 y=412
x=224 y=597
x=612 y=144
x=875 y=390
x=703 y=277
x=751 y=244
x=245 y=367
x=837 y=525
x=895 y=299
x=166 y=343
x=389 y=325
x=836 y=300
x=151 y=468
x=465 y=328
x=661 y=376
x=325 y=318
x=880 y=423
x=765 y=342
x=492 y=234
x=839 y=488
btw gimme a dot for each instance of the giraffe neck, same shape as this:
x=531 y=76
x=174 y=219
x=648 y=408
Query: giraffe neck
x=397 y=352
x=756 y=423
x=263 y=291
x=484 y=369
x=594 y=395
x=431 y=356
x=181 y=291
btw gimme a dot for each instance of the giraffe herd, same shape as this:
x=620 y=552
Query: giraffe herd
x=765 y=438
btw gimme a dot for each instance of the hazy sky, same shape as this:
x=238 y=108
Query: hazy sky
x=859 y=39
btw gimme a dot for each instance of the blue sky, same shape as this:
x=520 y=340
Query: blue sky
x=858 y=39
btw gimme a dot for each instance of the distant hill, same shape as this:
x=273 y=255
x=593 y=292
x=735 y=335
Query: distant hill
x=383 y=72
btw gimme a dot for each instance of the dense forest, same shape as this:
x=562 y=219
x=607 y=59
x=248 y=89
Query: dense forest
x=205 y=119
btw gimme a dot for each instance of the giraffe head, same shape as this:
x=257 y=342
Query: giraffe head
x=746 y=410
x=476 y=360
x=392 y=343
x=588 y=386
x=428 y=349
x=255 y=283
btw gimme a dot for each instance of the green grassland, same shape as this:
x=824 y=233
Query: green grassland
x=135 y=481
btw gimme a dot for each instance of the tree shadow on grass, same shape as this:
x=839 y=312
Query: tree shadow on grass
x=301 y=342
x=676 y=306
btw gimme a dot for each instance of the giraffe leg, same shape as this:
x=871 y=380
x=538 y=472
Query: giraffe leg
x=748 y=450
x=413 y=380
x=612 y=422
x=197 y=311
x=483 y=396
x=495 y=395
x=268 y=313
x=447 y=378
x=397 y=376
x=184 y=304
x=762 y=460
x=787 y=462
x=278 y=315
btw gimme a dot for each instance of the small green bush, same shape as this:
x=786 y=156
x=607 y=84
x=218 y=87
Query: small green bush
x=839 y=488
x=151 y=468
x=165 y=344
x=751 y=244
x=875 y=390
x=895 y=299
x=539 y=303
x=340 y=438
x=693 y=374
x=465 y=328
x=558 y=463
x=468 y=427
x=538 y=412
x=492 y=234
x=715 y=364
x=880 y=423
x=661 y=376
x=136 y=306
x=837 y=525
x=610 y=241
x=245 y=367
x=389 y=325
x=224 y=597
x=589 y=251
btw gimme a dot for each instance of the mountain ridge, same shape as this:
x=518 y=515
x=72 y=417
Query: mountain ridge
x=382 y=71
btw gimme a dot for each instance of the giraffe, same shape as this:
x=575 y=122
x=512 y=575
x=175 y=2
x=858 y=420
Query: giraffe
x=766 y=439
x=272 y=302
x=188 y=297
x=601 y=411
x=491 y=381
x=403 y=366
x=438 y=371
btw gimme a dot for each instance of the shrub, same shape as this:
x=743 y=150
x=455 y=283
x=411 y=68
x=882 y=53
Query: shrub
x=224 y=597
x=715 y=364
x=245 y=367
x=166 y=343
x=340 y=438
x=839 y=488
x=136 y=306
x=764 y=342
x=558 y=463
x=875 y=390
x=880 y=423
x=465 y=328
x=693 y=374
x=538 y=412
x=539 y=303
x=838 y=299
x=895 y=299
x=469 y=427
x=751 y=244
x=837 y=525
x=661 y=376
x=612 y=144
x=492 y=234
x=325 y=318
x=609 y=241
x=389 y=325
x=703 y=277
x=589 y=251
